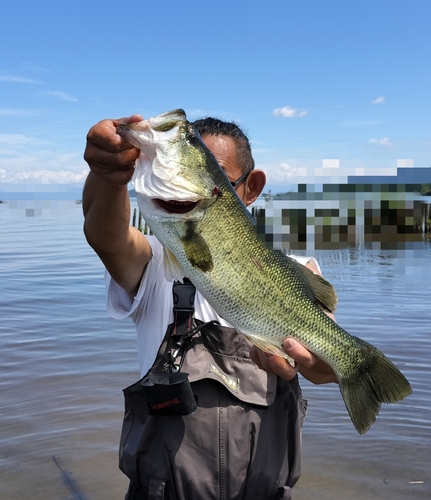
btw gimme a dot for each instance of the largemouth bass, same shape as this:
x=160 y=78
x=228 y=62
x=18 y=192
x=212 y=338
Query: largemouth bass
x=209 y=236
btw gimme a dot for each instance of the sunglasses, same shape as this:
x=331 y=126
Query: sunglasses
x=240 y=180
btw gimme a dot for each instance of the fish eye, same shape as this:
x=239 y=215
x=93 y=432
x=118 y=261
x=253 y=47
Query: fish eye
x=192 y=138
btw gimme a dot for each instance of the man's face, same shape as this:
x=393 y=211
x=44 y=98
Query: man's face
x=224 y=150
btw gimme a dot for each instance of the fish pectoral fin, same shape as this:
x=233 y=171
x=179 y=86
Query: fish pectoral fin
x=196 y=249
x=266 y=346
x=324 y=293
x=172 y=268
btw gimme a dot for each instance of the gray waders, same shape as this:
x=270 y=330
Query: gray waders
x=238 y=439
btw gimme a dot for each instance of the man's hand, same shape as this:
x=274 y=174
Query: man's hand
x=307 y=364
x=109 y=155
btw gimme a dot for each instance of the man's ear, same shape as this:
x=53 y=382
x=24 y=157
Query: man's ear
x=255 y=184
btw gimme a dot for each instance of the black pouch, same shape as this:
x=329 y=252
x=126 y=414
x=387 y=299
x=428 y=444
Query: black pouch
x=169 y=394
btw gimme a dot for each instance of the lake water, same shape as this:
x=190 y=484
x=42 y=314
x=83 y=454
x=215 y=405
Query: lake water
x=64 y=364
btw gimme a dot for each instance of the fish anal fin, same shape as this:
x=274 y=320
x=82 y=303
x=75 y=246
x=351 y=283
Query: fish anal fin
x=265 y=346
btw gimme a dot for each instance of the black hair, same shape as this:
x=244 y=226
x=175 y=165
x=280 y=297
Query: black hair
x=214 y=126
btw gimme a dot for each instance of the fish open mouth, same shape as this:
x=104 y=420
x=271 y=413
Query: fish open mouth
x=175 y=206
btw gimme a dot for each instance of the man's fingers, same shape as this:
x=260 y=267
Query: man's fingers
x=106 y=150
x=273 y=364
x=104 y=135
x=100 y=159
x=310 y=366
x=299 y=353
x=128 y=119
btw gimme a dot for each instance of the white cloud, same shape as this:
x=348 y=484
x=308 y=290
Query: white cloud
x=261 y=151
x=284 y=172
x=17 y=112
x=289 y=112
x=58 y=94
x=331 y=163
x=43 y=176
x=382 y=142
x=18 y=79
x=379 y=100
x=33 y=160
x=29 y=159
x=402 y=162
x=33 y=68
x=16 y=140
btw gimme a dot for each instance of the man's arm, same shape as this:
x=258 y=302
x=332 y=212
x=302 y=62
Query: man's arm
x=123 y=249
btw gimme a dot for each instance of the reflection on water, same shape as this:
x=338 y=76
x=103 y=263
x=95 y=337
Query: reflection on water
x=383 y=298
x=65 y=362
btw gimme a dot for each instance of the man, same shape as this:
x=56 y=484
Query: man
x=255 y=456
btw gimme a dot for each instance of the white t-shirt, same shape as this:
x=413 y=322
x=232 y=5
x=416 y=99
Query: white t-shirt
x=152 y=307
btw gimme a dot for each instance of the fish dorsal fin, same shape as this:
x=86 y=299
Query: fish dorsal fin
x=172 y=268
x=324 y=293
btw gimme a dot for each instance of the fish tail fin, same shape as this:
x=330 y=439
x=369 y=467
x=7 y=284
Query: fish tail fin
x=377 y=381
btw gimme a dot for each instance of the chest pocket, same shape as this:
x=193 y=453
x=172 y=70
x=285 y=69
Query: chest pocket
x=215 y=352
x=222 y=354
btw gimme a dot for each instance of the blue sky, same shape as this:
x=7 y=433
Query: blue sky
x=324 y=88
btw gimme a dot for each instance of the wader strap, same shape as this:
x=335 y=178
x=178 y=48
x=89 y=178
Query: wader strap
x=184 y=299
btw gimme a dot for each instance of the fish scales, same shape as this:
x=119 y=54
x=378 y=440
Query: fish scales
x=210 y=238
x=254 y=304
